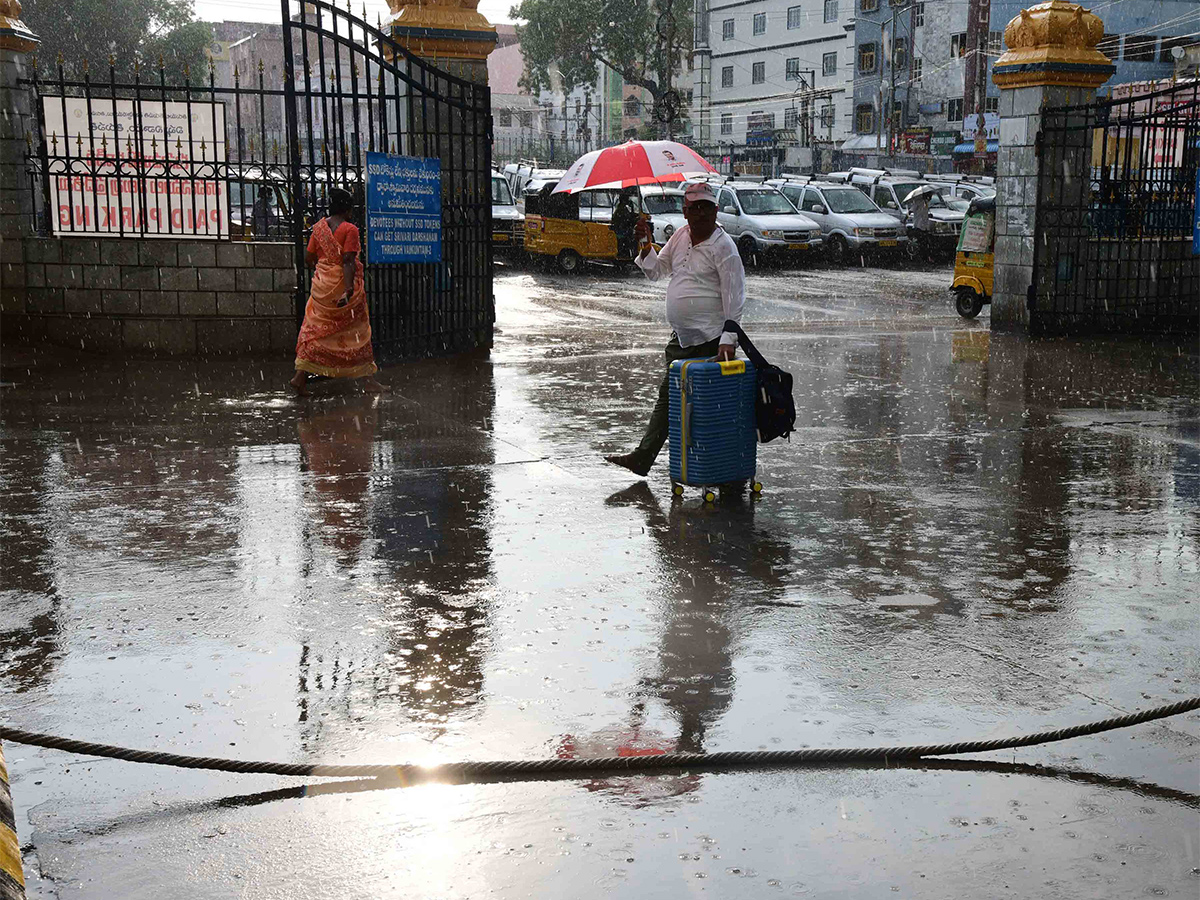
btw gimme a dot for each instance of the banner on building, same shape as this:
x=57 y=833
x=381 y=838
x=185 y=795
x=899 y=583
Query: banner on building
x=148 y=168
x=990 y=130
x=404 y=208
x=915 y=142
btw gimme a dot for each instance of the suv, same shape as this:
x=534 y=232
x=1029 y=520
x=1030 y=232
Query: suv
x=965 y=187
x=508 y=225
x=763 y=222
x=850 y=222
x=889 y=190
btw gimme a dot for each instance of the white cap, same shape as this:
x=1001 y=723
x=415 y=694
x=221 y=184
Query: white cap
x=700 y=191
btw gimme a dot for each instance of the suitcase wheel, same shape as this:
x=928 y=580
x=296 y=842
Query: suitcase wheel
x=710 y=496
x=677 y=490
x=757 y=488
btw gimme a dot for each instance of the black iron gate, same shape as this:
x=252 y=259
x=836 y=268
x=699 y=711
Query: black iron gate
x=350 y=89
x=1113 y=245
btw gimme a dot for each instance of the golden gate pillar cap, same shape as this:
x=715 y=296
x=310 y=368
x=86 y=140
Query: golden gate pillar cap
x=1053 y=43
x=15 y=34
x=441 y=29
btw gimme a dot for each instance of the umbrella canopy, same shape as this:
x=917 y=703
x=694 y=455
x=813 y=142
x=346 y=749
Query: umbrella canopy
x=634 y=163
x=921 y=192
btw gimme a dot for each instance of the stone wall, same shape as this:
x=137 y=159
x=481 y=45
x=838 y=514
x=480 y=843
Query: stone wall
x=158 y=296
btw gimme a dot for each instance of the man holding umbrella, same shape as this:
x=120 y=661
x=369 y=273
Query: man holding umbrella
x=707 y=286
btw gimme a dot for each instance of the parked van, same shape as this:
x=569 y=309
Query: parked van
x=851 y=223
x=889 y=188
x=664 y=205
x=508 y=224
x=763 y=222
x=521 y=178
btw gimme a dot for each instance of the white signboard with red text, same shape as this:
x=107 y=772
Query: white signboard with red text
x=143 y=168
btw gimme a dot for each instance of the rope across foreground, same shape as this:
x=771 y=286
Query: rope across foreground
x=531 y=769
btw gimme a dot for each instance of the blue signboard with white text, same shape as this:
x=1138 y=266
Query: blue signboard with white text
x=1196 y=216
x=404 y=208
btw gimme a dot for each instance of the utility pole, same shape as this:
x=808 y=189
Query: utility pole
x=891 y=61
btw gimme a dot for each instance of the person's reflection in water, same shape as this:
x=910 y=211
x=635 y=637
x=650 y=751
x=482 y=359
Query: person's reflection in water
x=337 y=443
x=707 y=558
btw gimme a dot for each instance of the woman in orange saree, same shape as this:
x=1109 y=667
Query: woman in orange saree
x=335 y=339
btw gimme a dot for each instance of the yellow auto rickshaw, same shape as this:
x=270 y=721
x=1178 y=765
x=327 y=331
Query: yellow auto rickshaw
x=555 y=230
x=974 y=261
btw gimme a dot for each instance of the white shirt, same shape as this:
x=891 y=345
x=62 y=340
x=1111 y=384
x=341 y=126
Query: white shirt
x=708 y=285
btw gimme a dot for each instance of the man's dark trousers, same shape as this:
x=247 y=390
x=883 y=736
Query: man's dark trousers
x=660 y=425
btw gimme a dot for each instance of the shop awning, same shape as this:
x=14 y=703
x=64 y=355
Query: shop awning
x=969 y=147
x=865 y=142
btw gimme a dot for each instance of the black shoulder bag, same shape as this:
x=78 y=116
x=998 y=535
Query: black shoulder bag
x=774 y=407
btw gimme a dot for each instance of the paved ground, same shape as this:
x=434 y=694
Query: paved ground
x=967 y=537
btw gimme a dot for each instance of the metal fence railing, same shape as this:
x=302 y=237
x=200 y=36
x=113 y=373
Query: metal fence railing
x=1115 y=211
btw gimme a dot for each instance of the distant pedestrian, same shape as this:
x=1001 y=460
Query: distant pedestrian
x=624 y=222
x=261 y=214
x=335 y=339
x=707 y=287
x=919 y=206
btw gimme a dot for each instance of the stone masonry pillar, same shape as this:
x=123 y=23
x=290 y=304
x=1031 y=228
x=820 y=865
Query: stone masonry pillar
x=1050 y=60
x=17 y=42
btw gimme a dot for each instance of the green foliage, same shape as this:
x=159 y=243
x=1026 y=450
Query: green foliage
x=130 y=31
x=564 y=41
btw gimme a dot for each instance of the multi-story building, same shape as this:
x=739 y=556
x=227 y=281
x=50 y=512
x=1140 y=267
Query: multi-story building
x=772 y=78
x=922 y=71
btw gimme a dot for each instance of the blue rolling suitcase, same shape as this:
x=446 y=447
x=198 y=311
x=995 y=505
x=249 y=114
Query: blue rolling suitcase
x=713 y=438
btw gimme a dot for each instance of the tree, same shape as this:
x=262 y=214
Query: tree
x=130 y=31
x=565 y=41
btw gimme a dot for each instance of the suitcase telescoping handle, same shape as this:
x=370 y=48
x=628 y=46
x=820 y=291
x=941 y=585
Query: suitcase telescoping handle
x=746 y=344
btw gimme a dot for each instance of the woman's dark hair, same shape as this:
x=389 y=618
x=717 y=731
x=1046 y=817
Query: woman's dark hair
x=340 y=202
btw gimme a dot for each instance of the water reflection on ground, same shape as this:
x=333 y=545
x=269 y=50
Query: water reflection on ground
x=968 y=535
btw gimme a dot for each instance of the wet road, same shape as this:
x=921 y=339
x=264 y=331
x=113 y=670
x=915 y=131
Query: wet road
x=968 y=536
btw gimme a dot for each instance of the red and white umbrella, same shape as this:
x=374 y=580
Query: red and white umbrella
x=634 y=163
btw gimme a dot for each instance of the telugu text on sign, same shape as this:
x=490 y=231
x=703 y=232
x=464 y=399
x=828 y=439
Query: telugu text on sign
x=404 y=208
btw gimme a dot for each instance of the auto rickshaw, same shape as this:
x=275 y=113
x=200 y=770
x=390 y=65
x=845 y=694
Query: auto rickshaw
x=974 y=261
x=553 y=230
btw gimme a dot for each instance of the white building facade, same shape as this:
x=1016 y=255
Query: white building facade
x=777 y=75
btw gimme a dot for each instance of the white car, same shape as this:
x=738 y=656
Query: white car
x=508 y=223
x=763 y=222
x=665 y=208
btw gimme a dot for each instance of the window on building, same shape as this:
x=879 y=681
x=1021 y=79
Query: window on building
x=727 y=76
x=866 y=58
x=791 y=69
x=829 y=64
x=526 y=119
x=726 y=123
x=954 y=110
x=917 y=65
x=727 y=30
x=918 y=15
x=578 y=107
x=504 y=119
x=991 y=104
x=1110 y=46
x=691 y=95
x=864 y=118
x=868 y=5
x=995 y=41
x=633 y=106
x=791 y=118
x=795 y=17
x=758 y=73
x=760 y=23
x=900 y=53
x=831 y=10
x=827 y=116
x=958 y=45
x=1141 y=48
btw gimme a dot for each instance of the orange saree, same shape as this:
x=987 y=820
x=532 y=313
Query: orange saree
x=335 y=341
